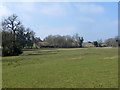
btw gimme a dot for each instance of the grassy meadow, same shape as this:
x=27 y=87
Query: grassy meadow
x=62 y=68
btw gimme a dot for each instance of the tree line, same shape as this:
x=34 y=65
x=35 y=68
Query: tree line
x=111 y=42
x=67 y=41
x=16 y=37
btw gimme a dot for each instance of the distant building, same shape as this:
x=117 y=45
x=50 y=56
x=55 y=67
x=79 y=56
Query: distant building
x=43 y=43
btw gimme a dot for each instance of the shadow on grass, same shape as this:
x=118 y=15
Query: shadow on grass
x=41 y=53
x=30 y=49
x=29 y=54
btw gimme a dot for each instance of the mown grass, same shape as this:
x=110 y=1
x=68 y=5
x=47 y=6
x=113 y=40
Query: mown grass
x=62 y=68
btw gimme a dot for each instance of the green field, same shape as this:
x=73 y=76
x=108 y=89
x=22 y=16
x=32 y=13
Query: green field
x=62 y=68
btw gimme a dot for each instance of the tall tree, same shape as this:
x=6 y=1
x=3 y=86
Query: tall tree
x=37 y=42
x=76 y=40
x=30 y=38
x=95 y=43
x=80 y=41
x=100 y=43
x=20 y=37
x=12 y=24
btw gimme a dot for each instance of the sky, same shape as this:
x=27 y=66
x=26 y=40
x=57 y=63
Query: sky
x=91 y=20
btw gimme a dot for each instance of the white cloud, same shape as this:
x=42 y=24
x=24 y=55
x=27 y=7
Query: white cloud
x=4 y=11
x=44 y=9
x=53 y=10
x=26 y=7
x=90 y=8
x=24 y=10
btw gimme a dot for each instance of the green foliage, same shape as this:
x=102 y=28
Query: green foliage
x=88 y=45
x=112 y=42
x=95 y=43
x=8 y=48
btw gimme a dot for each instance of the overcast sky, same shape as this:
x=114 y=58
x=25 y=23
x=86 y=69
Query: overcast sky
x=93 y=21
